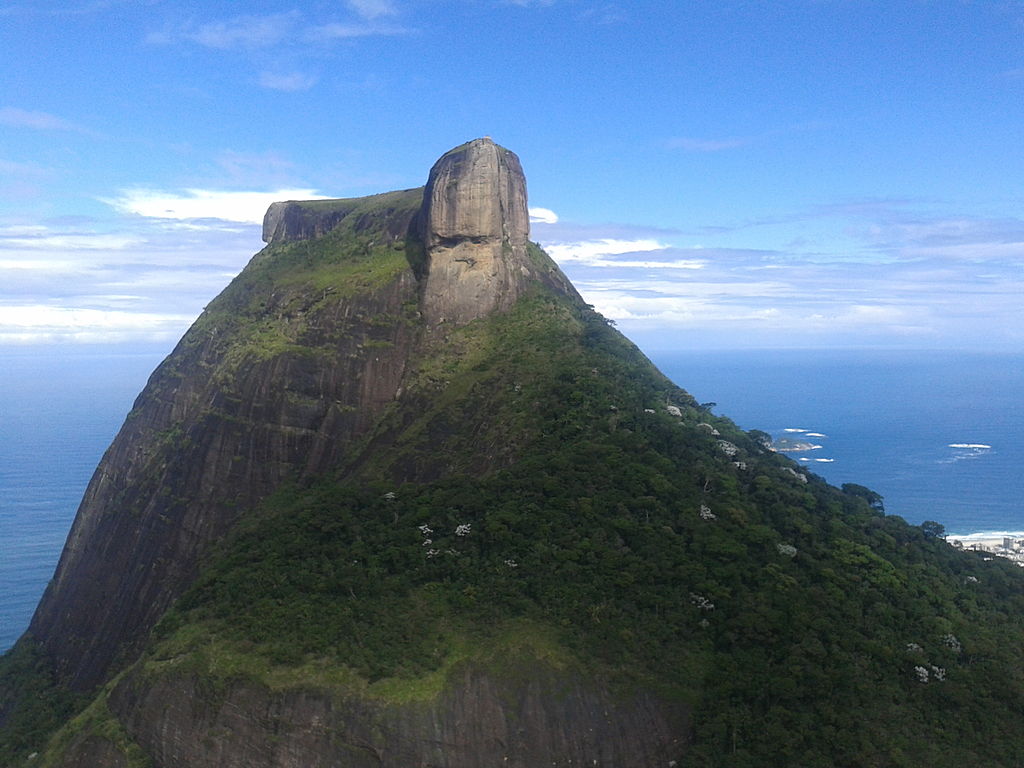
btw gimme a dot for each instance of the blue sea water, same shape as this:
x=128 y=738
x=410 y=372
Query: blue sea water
x=887 y=420
x=59 y=410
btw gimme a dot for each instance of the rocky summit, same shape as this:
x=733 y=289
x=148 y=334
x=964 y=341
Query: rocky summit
x=400 y=497
x=475 y=229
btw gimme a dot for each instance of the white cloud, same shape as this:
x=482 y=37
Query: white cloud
x=294 y=31
x=340 y=31
x=692 y=289
x=675 y=311
x=247 y=207
x=604 y=253
x=245 y=31
x=590 y=251
x=709 y=311
x=371 y=9
x=128 y=279
x=288 y=82
x=37 y=323
x=23 y=230
x=543 y=216
x=289 y=29
x=968 y=251
x=68 y=242
x=640 y=264
x=38 y=121
x=890 y=288
x=44 y=265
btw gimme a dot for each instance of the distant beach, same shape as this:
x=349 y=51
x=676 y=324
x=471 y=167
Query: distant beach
x=1008 y=544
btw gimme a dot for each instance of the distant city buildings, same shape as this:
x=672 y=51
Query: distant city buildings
x=1006 y=546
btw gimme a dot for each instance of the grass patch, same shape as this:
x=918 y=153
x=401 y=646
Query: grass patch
x=96 y=721
x=504 y=650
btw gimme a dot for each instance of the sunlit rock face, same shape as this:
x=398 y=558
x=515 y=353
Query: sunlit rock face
x=475 y=229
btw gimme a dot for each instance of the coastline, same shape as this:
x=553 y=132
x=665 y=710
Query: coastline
x=1006 y=544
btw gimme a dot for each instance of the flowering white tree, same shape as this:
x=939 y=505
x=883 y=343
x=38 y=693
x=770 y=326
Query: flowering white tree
x=786 y=550
x=701 y=602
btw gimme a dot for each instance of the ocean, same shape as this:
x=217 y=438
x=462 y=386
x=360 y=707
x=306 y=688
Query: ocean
x=59 y=410
x=940 y=435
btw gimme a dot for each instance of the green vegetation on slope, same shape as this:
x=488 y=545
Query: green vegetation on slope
x=264 y=311
x=799 y=622
x=28 y=720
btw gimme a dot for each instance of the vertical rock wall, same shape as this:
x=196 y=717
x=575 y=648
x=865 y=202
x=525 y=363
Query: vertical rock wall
x=476 y=229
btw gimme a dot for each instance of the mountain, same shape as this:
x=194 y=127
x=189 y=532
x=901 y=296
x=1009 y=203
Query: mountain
x=401 y=497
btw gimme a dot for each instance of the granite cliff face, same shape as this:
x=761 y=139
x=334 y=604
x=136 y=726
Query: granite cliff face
x=242 y=404
x=480 y=719
x=475 y=229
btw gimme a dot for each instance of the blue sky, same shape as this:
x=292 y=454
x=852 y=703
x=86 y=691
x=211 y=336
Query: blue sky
x=800 y=173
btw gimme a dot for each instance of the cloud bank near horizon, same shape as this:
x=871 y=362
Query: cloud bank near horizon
x=147 y=274
x=911 y=280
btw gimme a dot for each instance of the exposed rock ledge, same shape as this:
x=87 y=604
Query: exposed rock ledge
x=308 y=219
x=526 y=718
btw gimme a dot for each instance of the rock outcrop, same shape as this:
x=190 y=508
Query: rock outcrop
x=476 y=229
x=221 y=423
x=284 y=377
x=293 y=220
x=538 y=716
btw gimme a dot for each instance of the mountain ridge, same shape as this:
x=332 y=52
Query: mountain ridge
x=360 y=518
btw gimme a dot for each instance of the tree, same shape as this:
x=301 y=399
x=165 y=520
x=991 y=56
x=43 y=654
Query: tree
x=873 y=499
x=933 y=530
